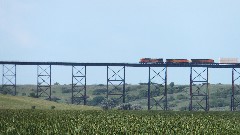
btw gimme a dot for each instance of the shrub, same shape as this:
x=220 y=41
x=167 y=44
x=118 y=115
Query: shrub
x=108 y=104
x=181 y=97
x=143 y=93
x=184 y=109
x=171 y=98
x=131 y=97
x=128 y=106
x=6 y=91
x=172 y=105
x=125 y=106
x=66 y=90
x=55 y=99
x=99 y=91
x=32 y=94
x=33 y=107
x=97 y=100
x=53 y=107
x=136 y=107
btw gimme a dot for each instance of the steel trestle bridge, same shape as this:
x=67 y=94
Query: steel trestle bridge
x=198 y=92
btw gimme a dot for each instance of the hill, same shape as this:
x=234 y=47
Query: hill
x=178 y=95
x=21 y=102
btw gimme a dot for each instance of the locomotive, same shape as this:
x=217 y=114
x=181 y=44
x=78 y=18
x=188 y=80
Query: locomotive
x=151 y=61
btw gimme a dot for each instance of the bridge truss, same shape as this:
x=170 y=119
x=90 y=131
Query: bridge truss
x=157 y=91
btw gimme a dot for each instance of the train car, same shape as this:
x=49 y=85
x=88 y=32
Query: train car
x=202 y=61
x=151 y=61
x=169 y=61
x=228 y=60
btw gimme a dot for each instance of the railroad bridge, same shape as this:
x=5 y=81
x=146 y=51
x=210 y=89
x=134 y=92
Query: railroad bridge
x=198 y=96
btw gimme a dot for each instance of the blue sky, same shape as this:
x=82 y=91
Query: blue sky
x=118 y=31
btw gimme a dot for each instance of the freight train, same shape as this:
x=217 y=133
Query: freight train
x=193 y=61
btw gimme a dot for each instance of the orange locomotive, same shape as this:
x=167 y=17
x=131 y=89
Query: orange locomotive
x=151 y=61
x=177 y=61
x=202 y=61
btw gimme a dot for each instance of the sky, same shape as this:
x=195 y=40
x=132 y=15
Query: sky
x=118 y=31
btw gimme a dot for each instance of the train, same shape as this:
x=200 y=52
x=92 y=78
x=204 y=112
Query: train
x=185 y=61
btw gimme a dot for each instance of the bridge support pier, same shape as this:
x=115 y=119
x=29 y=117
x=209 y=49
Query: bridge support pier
x=116 y=83
x=157 y=87
x=44 y=81
x=199 y=92
x=79 y=89
x=235 y=98
x=9 y=78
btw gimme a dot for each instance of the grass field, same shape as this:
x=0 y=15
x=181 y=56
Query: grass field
x=117 y=122
x=21 y=102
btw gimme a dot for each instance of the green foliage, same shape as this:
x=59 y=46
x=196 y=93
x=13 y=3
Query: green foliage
x=171 y=98
x=53 y=107
x=171 y=84
x=181 y=97
x=172 y=105
x=180 y=88
x=40 y=122
x=132 y=97
x=171 y=90
x=55 y=99
x=128 y=106
x=137 y=94
x=219 y=102
x=96 y=100
x=56 y=83
x=99 y=91
x=66 y=90
x=33 y=107
x=184 y=109
x=6 y=90
x=107 y=104
x=143 y=93
x=32 y=94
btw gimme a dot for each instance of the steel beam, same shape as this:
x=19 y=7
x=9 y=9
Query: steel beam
x=116 y=83
x=79 y=88
x=213 y=65
x=199 y=91
x=235 y=98
x=157 y=88
x=9 y=79
x=44 y=81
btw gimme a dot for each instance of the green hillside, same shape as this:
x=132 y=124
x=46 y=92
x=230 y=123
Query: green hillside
x=21 y=102
x=178 y=95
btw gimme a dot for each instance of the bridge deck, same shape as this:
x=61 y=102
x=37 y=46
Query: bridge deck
x=214 y=65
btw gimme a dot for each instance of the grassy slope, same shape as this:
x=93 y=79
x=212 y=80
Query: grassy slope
x=216 y=94
x=20 y=102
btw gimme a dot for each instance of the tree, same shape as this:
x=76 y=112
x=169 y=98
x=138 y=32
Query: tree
x=128 y=106
x=56 y=83
x=171 y=84
x=181 y=97
x=107 y=104
x=32 y=94
x=97 y=100
x=143 y=93
x=99 y=91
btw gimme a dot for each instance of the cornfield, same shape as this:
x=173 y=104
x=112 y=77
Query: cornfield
x=117 y=122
